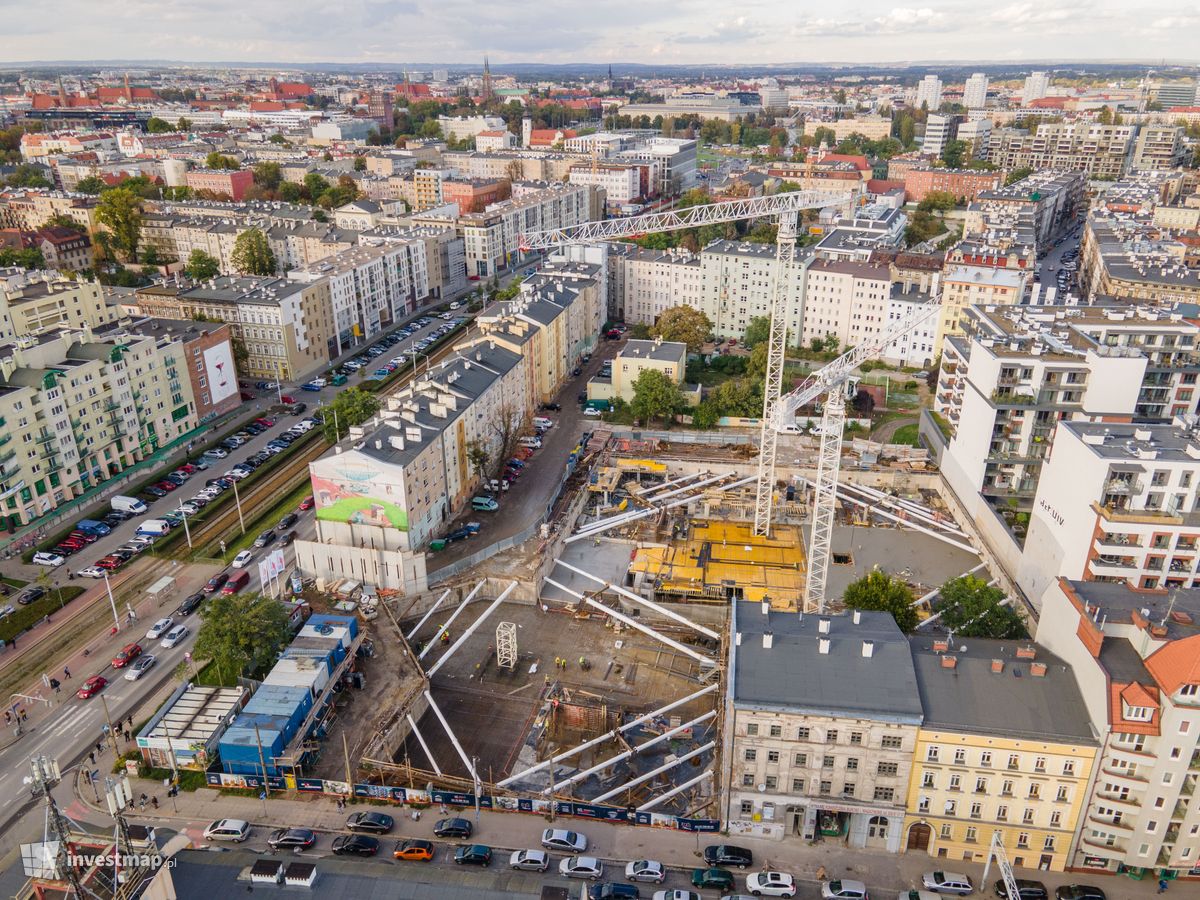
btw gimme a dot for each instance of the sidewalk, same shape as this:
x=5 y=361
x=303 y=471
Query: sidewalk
x=506 y=831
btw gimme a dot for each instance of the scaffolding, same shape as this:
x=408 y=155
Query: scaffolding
x=506 y=645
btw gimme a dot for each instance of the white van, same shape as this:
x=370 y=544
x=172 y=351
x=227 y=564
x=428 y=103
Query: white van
x=542 y=422
x=533 y=443
x=129 y=504
x=154 y=527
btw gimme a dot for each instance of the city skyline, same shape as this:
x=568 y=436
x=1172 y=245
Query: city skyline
x=693 y=33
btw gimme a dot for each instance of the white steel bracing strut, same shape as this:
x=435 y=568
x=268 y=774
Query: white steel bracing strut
x=781 y=295
x=693 y=216
x=820 y=543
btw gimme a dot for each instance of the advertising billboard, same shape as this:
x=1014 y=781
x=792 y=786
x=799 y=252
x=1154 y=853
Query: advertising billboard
x=353 y=488
x=218 y=368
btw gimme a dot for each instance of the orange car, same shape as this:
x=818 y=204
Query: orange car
x=414 y=850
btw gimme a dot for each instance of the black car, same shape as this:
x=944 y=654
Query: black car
x=288 y=521
x=355 y=845
x=31 y=594
x=728 y=855
x=296 y=408
x=452 y=828
x=1079 y=892
x=266 y=538
x=188 y=606
x=372 y=822
x=292 y=839
x=614 y=890
x=254 y=429
x=155 y=491
x=1028 y=890
x=287 y=539
x=112 y=521
x=552 y=407
x=473 y=855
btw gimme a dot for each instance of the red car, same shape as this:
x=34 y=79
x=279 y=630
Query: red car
x=127 y=654
x=265 y=421
x=187 y=469
x=92 y=687
x=83 y=537
x=288 y=398
x=112 y=563
x=215 y=583
x=307 y=503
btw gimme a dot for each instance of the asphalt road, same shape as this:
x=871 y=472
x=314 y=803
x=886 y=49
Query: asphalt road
x=1051 y=264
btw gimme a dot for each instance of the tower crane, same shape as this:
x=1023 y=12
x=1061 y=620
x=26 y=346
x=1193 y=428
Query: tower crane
x=779 y=410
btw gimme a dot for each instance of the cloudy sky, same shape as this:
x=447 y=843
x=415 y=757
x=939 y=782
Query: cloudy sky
x=555 y=31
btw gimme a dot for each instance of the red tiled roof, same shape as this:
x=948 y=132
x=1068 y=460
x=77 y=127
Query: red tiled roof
x=266 y=106
x=1133 y=695
x=1176 y=664
x=859 y=162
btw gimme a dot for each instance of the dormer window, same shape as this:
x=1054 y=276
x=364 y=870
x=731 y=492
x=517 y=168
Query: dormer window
x=1137 y=713
x=1190 y=693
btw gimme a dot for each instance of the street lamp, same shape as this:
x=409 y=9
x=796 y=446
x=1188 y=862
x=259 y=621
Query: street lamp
x=187 y=532
x=112 y=602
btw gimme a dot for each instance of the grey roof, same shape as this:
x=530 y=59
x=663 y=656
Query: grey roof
x=230 y=289
x=1122 y=662
x=666 y=351
x=1132 y=442
x=200 y=875
x=795 y=675
x=1115 y=603
x=972 y=697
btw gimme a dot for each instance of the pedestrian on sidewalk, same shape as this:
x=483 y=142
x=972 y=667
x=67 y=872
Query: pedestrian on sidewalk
x=21 y=714
x=821 y=873
x=154 y=802
x=66 y=672
x=99 y=747
x=1163 y=884
x=7 y=717
x=92 y=757
x=129 y=720
x=142 y=802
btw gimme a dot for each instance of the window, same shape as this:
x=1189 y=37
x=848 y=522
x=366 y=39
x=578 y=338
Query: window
x=955 y=783
x=772 y=756
x=1152 y=826
x=1023 y=840
x=826 y=788
x=826 y=762
x=772 y=782
x=972 y=834
x=1027 y=816
x=960 y=757
x=851 y=765
x=800 y=759
x=1064 y=794
x=1035 y=791
x=890 y=742
x=1048 y=843
x=947 y=832
x=1014 y=761
x=752 y=728
x=985 y=758
x=831 y=736
x=751 y=755
x=931 y=754
x=802 y=734
x=747 y=807
x=798 y=785
x=976 y=810
x=1039 y=764
x=776 y=731
x=927 y=780
x=981 y=785
x=923 y=805
x=1069 y=767
x=885 y=793
x=951 y=807
x=747 y=779
x=848 y=789
x=887 y=769
x=1137 y=713
x=1006 y=788
x=1002 y=813
x=1055 y=819
x=856 y=737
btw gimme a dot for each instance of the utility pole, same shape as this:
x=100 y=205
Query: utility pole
x=112 y=734
x=112 y=602
x=238 y=501
x=187 y=532
x=346 y=751
x=263 y=768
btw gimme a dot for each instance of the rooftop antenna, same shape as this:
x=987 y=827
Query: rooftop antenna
x=1170 y=607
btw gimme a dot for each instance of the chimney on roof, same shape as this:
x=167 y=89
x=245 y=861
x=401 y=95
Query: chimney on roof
x=823 y=646
x=858 y=617
x=823 y=626
x=766 y=607
x=768 y=639
x=941 y=645
x=868 y=649
x=997 y=666
x=1037 y=670
x=949 y=662
x=1027 y=652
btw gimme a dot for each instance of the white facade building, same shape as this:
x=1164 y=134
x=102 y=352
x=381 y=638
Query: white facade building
x=929 y=93
x=975 y=91
x=461 y=127
x=1037 y=85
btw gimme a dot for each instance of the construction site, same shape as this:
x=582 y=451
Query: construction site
x=586 y=667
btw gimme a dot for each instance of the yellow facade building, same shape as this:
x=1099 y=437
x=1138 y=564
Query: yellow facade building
x=1005 y=748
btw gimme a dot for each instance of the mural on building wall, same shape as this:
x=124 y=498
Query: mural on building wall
x=353 y=491
x=222 y=377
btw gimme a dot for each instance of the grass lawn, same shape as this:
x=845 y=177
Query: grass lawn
x=13 y=582
x=255 y=525
x=906 y=434
x=942 y=424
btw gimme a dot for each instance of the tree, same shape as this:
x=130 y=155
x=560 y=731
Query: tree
x=120 y=210
x=757 y=332
x=268 y=175
x=26 y=175
x=202 y=266
x=241 y=633
x=315 y=185
x=26 y=258
x=970 y=607
x=509 y=423
x=184 y=124
x=639 y=331
x=879 y=591
x=252 y=253
x=1018 y=175
x=954 y=153
x=61 y=220
x=360 y=164
x=352 y=406
x=1105 y=116
x=655 y=395
x=685 y=324
x=937 y=200
x=155 y=125
x=756 y=367
x=217 y=160
x=478 y=458
x=93 y=185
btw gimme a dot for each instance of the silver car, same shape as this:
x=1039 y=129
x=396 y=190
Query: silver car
x=530 y=860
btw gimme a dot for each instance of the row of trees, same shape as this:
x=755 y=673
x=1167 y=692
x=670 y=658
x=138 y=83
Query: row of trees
x=968 y=606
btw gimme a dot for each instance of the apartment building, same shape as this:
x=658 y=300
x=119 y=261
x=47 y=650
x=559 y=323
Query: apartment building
x=1035 y=211
x=939 y=131
x=77 y=407
x=64 y=249
x=43 y=144
x=821 y=722
x=643 y=283
x=845 y=300
x=1132 y=259
x=975 y=91
x=1160 y=147
x=636 y=357
x=929 y=93
x=286 y=327
x=1005 y=747
x=962 y=183
x=475 y=194
x=30 y=210
x=463 y=127
x=622 y=184
x=445 y=255
x=737 y=282
x=1037 y=85
x=371 y=288
x=227 y=183
x=1134 y=656
x=524 y=164
x=492 y=238
x=1098 y=150
x=32 y=302
x=973 y=278
x=495 y=140
x=873 y=128
x=400 y=478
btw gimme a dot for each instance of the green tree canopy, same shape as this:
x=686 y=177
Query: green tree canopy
x=954 y=153
x=120 y=210
x=970 y=607
x=252 y=253
x=757 y=332
x=26 y=258
x=202 y=266
x=92 y=184
x=155 y=125
x=268 y=175
x=655 y=396
x=685 y=324
x=217 y=160
x=26 y=175
x=877 y=590
x=1018 y=175
x=241 y=633
x=352 y=406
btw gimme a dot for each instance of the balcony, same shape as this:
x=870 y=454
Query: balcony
x=1124 y=775
x=1011 y=398
x=1124 y=486
x=1109 y=824
x=1114 y=539
x=1112 y=563
x=1127 y=800
x=1098 y=847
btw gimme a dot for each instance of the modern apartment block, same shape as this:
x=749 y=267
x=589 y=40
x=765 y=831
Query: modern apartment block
x=1159 y=147
x=977 y=276
x=1005 y=747
x=1099 y=150
x=821 y=723
x=79 y=406
x=962 y=183
x=372 y=288
x=398 y=480
x=644 y=283
x=1133 y=654
x=32 y=302
x=929 y=93
x=975 y=91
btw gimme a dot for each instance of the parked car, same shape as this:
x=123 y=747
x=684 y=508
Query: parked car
x=473 y=855
x=159 y=628
x=771 y=884
x=243 y=559
x=413 y=850
x=1079 y=892
x=355 y=845
x=614 y=890
x=287 y=521
x=592 y=413
x=1027 y=890
x=648 y=870
x=174 y=636
x=947 y=883
x=292 y=839
x=52 y=560
x=452 y=828
x=581 y=867
x=561 y=839
x=844 y=889
x=92 y=687
x=717 y=879
x=529 y=860
x=216 y=583
x=126 y=655
x=30 y=594
x=235 y=830
x=679 y=894
x=370 y=822
x=140 y=666
x=91 y=572
x=728 y=855
x=307 y=503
